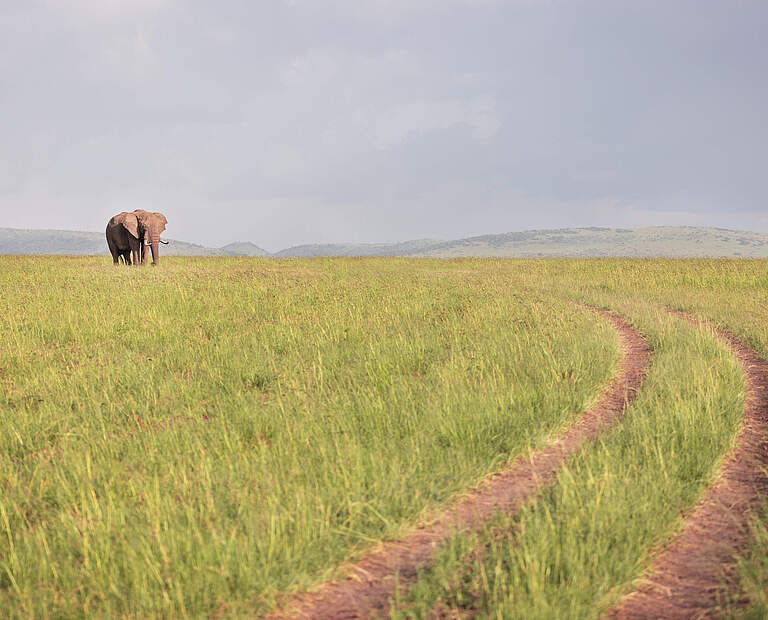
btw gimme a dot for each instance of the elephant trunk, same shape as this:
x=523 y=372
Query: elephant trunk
x=155 y=247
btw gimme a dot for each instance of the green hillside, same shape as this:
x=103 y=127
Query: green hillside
x=416 y=247
x=650 y=242
x=657 y=241
x=243 y=249
x=16 y=241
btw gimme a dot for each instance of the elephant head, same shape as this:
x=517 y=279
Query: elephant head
x=148 y=228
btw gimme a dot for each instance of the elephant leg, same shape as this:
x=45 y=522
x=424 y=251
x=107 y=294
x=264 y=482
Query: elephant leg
x=113 y=251
x=136 y=252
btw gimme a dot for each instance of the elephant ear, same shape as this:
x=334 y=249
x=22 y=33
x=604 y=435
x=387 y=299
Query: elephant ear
x=131 y=224
x=163 y=219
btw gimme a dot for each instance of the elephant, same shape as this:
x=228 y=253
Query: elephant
x=129 y=235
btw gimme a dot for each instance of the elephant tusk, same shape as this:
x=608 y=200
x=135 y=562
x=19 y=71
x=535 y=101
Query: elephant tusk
x=164 y=242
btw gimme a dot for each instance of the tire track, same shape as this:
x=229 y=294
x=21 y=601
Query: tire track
x=695 y=572
x=372 y=581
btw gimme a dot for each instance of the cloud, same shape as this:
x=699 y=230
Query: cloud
x=387 y=11
x=375 y=100
x=397 y=125
x=130 y=55
x=102 y=12
x=381 y=120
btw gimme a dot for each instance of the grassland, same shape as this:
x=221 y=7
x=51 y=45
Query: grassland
x=195 y=438
x=573 y=553
x=199 y=438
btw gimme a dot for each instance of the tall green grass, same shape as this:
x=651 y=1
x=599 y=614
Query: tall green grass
x=753 y=570
x=733 y=294
x=196 y=438
x=574 y=552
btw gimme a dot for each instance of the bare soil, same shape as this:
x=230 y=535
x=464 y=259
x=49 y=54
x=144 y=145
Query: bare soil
x=370 y=583
x=695 y=573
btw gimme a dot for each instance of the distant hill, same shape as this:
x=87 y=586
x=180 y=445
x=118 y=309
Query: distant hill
x=657 y=241
x=405 y=248
x=15 y=241
x=243 y=249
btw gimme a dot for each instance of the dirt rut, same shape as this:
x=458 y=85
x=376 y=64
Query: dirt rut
x=370 y=583
x=691 y=576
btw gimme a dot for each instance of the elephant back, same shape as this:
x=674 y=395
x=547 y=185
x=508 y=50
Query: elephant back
x=127 y=221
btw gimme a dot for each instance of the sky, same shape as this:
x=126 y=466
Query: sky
x=285 y=122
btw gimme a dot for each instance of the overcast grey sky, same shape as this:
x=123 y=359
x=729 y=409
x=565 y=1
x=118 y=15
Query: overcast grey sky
x=295 y=121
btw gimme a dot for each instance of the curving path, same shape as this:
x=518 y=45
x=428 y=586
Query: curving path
x=370 y=583
x=689 y=579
